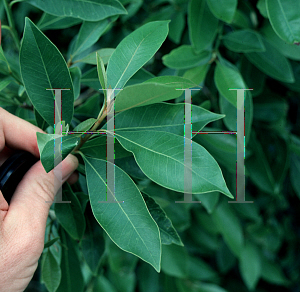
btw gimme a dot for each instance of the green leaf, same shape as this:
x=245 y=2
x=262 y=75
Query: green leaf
x=76 y=78
x=250 y=265
x=262 y=7
x=187 y=286
x=48 y=21
x=118 y=259
x=97 y=147
x=160 y=155
x=200 y=270
x=85 y=125
x=93 y=245
x=244 y=41
x=50 y=242
x=92 y=59
x=272 y=63
x=226 y=77
x=202 y=24
x=208 y=200
x=224 y=9
x=90 y=78
x=197 y=74
x=288 y=50
x=88 y=35
x=272 y=272
x=284 y=18
x=184 y=57
x=176 y=266
x=46 y=144
x=154 y=90
x=4 y=84
x=90 y=10
x=51 y=272
x=177 y=26
x=71 y=278
x=70 y=215
x=163 y=117
x=222 y=147
x=230 y=111
x=101 y=73
x=168 y=233
x=229 y=226
x=40 y=72
x=128 y=224
x=134 y=51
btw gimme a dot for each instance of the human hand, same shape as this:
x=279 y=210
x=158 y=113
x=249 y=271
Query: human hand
x=23 y=222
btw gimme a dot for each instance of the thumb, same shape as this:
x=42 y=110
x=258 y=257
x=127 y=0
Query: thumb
x=38 y=187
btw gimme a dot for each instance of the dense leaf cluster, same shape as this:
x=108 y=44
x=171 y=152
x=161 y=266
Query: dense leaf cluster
x=133 y=56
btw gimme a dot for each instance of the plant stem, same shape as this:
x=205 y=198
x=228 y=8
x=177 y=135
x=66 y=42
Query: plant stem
x=11 y=23
x=102 y=115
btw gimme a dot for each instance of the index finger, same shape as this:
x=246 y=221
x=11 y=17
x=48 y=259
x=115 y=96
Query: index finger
x=17 y=133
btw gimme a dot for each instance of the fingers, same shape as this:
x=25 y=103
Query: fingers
x=17 y=133
x=38 y=187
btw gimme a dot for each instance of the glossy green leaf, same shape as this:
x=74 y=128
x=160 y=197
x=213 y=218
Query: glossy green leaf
x=290 y=51
x=228 y=77
x=203 y=25
x=163 y=117
x=40 y=72
x=230 y=227
x=48 y=21
x=284 y=18
x=154 y=90
x=244 y=41
x=51 y=272
x=225 y=258
x=92 y=59
x=93 y=245
x=250 y=265
x=88 y=35
x=85 y=125
x=70 y=215
x=184 y=57
x=168 y=233
x=128 y=224
x=46 y=144
x=92 y=10
x=224 y=9
x=97 y=147
x=71 y=277
x=101 y=73
x=272 y=63
x=160 y=155
x=134 y=51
